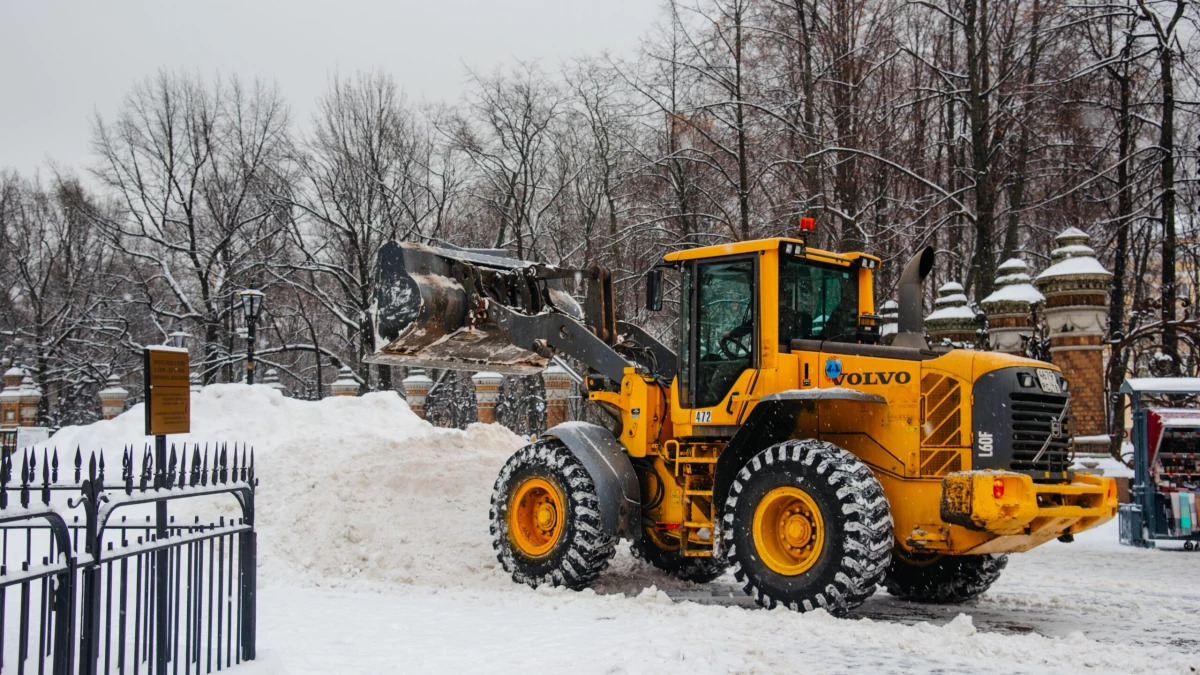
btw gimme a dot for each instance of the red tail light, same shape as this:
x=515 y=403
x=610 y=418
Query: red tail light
x=997 y=488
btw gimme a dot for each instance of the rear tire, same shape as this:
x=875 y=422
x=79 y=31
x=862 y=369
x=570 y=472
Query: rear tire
x=545 y=519
x=807 y=526
x=695 y=570
x=942 y=579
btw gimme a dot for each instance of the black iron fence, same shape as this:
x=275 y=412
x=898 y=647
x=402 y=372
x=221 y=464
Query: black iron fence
x=97 y=577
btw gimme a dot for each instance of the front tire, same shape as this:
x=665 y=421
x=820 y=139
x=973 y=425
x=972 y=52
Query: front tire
x=806 y=525
x=545 y=519
x=942 y=579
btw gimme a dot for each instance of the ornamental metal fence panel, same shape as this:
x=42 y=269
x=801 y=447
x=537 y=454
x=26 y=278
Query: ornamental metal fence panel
x=151 y=573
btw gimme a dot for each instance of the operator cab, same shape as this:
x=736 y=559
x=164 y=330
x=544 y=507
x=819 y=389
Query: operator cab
x=743 y=304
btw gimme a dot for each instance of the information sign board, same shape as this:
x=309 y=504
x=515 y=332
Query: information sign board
x=168 y=397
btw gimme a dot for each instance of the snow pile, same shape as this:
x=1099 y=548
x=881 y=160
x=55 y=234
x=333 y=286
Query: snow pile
x=350 y=487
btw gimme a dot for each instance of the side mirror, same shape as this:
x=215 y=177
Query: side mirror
x=654 y=290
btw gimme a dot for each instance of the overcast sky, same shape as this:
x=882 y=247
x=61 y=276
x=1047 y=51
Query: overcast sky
x=60 y=61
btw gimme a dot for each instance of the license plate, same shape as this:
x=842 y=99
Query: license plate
x=1049 y=381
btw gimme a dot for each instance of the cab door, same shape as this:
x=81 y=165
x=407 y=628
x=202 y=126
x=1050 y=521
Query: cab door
x=719 y=342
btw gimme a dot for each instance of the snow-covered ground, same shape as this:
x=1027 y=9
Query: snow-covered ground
x=375 y=558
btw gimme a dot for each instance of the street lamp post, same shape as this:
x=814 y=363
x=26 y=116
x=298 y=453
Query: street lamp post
x=251 y=306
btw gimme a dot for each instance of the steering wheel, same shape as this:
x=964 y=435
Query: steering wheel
x=732 y=348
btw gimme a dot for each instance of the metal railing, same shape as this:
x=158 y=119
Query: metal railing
x=86 y=590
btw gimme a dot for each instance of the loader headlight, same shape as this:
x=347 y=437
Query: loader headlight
x=1025 y=380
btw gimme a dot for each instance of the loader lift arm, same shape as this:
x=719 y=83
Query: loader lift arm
x=542 y=333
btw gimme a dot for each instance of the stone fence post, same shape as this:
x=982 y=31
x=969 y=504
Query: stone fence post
x=112 y=397
x=487 y=394
x=558 y=393
x=1076 y=289
x=416 y=388
x=1009 y=308
x=952 y=319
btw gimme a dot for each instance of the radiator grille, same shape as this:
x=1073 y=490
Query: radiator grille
x=1033 y=417
x=942 y=398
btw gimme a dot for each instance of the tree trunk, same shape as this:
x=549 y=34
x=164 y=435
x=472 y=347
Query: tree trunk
x=1170 y=334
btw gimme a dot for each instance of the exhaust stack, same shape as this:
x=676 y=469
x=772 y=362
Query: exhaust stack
x=911 y=329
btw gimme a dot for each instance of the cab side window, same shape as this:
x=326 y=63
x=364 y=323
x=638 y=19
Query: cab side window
x=817 y=302
x=724 y=328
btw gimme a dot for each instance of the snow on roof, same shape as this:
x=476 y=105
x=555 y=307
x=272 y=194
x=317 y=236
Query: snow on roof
x=1164 y=385
x=1015 y=293
x=417 y=375
x=1082 y=265
x=953 y=312
x=948 y=300
x=1072 y=233
x=1013 y=265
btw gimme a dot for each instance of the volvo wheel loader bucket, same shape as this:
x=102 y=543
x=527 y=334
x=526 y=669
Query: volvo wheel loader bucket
x=424 y=315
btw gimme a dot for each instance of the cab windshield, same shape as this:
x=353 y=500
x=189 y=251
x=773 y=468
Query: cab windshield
x=817 y=301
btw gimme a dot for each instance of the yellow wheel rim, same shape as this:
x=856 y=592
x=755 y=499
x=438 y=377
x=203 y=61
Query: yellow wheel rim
x=535 y=517
x=789 y=531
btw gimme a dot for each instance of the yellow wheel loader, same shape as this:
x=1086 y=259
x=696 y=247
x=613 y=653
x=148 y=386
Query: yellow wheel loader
x=778 y=438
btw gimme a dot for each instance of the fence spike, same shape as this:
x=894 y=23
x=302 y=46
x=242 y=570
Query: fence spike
x=127 y=468
x=144 y=477
x=224 y=464
x=45 y=477
x=234 y=475
x=174 y=461
x=204 y=468
x=92 y=468
x=101 y=477
x=194 y=475
x=78 y=462
x=25 y=478
x=5 y=474
x=54 y=464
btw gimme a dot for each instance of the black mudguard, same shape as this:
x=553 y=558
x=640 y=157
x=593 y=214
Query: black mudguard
x=776 y=418
x=611 y=471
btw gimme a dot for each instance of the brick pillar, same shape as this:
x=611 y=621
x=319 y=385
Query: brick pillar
x=416 y=388
x=10 y=398
x=558 y=392
x=1008 y=309
x=1076 y=289
x=31 y=396
x=112 y=397
x=952 y=322
x=487 y=394
x=345 y=385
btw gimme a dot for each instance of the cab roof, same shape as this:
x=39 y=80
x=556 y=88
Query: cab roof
x=734 y=248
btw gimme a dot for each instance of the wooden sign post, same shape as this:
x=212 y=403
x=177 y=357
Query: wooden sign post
x=168 y=411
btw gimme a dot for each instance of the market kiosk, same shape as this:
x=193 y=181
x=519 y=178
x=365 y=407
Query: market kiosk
x=1166 y=463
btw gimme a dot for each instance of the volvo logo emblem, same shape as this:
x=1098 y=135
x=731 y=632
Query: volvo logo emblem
x=1056 y=430
x=833 y=369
